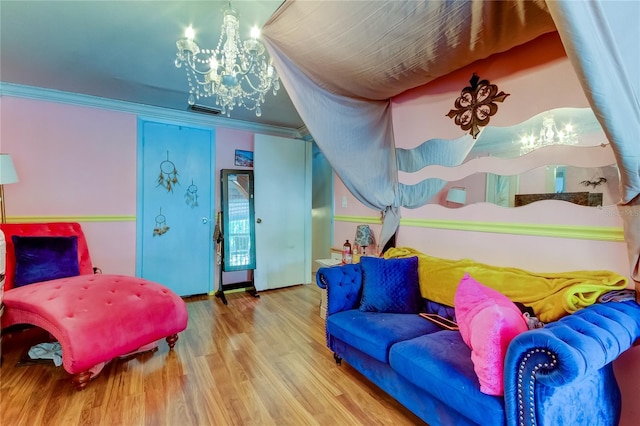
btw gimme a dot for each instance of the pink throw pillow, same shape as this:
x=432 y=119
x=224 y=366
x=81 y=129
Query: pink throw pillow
x=488 y=322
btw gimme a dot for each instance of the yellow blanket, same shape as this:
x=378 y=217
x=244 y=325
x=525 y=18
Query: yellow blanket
x=551 y=295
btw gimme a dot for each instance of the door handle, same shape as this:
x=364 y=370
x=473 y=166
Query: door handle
x=259 y=220
x=205 y=220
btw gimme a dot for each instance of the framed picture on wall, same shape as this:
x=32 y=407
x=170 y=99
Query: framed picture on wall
x=244 y=158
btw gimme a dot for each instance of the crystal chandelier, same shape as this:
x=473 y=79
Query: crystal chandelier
x=236 y=73
x=549 y=135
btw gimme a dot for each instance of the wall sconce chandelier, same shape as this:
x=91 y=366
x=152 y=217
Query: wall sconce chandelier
x=549 y=135
x=236 y=73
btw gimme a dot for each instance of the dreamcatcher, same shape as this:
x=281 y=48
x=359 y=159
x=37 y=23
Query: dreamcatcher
x=168 y=177
x=161 y=225
x=191 y=196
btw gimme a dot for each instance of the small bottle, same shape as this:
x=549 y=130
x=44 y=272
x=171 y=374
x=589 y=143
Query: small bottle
x=347 y=256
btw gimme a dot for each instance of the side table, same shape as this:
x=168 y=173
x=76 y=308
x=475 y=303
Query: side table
x=323 y=302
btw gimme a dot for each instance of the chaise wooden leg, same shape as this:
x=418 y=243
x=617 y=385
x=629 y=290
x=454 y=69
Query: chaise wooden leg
x=81 y=380
x=171 y=340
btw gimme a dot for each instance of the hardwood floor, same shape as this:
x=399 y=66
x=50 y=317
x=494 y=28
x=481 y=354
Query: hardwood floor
x=253 y=362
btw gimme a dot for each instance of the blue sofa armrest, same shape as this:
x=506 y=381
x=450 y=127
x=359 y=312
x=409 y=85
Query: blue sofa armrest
x=343 y=285
x=551 y=371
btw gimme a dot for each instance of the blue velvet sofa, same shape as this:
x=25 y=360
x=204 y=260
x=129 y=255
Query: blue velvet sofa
x=560 y=374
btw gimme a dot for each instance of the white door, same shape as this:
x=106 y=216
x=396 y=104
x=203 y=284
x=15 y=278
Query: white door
x=322 y=208
x=174 y=226
x=282 y=182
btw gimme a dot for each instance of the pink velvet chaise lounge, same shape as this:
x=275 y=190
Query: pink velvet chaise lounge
x=94 y=317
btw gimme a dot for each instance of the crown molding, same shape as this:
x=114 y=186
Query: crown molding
x=305 y=135
x=147 y=111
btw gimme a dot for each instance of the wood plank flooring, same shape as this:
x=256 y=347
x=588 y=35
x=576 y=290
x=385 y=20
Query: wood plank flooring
x=256 y=361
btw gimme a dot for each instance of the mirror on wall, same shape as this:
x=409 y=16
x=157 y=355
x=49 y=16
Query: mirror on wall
x=589 y=186
x=238 y=229
x=560 y=126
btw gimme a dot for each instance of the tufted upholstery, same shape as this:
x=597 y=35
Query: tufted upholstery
x=584 y=341
x=97 y=318
x=558 y=375
x=94 y=317
x=346 y=288
x=578 y=348
x=60 y=229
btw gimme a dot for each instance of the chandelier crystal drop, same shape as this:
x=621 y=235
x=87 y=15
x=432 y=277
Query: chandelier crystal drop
x=235 y=73
x=549 y=134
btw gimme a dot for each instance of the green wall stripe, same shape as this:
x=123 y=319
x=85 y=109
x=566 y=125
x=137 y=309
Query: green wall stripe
x=45 y=219
x=358 y=219
x=598 y=233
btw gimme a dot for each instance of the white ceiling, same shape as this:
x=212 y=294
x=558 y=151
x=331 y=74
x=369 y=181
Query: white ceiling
x=122 y=50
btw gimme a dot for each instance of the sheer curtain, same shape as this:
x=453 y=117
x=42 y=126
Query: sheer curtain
x=602 y=40
x=355 y=136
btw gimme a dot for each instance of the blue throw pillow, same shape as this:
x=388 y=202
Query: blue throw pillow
x=390 y=285
x=44 y=258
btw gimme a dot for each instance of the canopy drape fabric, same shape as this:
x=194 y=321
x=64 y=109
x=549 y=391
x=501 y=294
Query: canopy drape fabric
x=341 y=62
x=602 y=42
x=355 y=137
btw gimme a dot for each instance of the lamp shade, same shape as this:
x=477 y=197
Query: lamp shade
x=7 y=171
x=457 y=195
x=364 y=236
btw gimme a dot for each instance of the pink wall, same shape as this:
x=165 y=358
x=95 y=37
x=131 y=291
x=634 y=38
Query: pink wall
x=538 y=77
x=227 y=141
x=347 y=230
x=79 y=163
x=75 y=161
x=70 y=160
